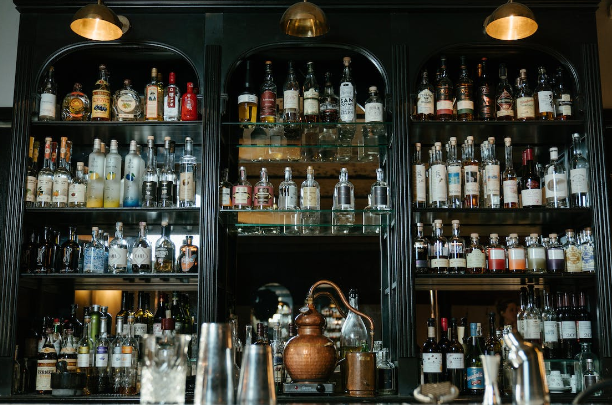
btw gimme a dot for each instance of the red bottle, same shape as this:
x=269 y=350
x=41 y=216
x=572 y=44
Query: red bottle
x=189 y=105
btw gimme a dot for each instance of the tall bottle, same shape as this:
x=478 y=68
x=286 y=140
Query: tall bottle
x=132 y=178
x=101 y=360
x=504 y=98
x=584 y=329
x=455 y=359
x=543 y=97
x=464 y=94
x=150 y=179
x=425 y=99
x=189 y=104
x=263 y=192
x=421 y=251
x=525 y=105
x=492 y=197
x=95 y=182
x=187 y=176
x=555 y=179
x=143 y=318
x=485 y=96
x=160 y=314
x=310 y=201
x=569 y=333
x=47 y=360
x=456 y=251
x=453 y=169
x=311 y=95
x=31 y=177
x=164 y=251
x=112 y=177
x=579 y=176
x=353 y=336
x=509 y=179
x=444 y=94
x=94 y=253
x=531 y=192
x=247 y=100
x=141 y=252
x=86 y=359
x=172 y=99
x=438 y=175
x=343 y=209
x=61 y=179
x=474 y=370
x=70 y=252
x=419 y=179
x=291 y=104
x=77 y=189
x=153 y=112
x=348 y=101
x=118 y=252
x=431 y=356
x=471 y=177
x=532 y=320
x=101 y=97
x=48 y=98
x=267 y=93
x=329 y=110
x=225 y=190
x=562 y=97
x=438 y=250
x=550 y=336
x=167 y=177
x=380 y=192
x=44 y=191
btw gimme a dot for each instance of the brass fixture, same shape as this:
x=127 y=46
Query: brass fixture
x=511 y=21
x=98 y=22
x=304 y=19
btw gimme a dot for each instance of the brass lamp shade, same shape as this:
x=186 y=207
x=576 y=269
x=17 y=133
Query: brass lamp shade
x=97 y=22
x=511 y=21
x=304 y=19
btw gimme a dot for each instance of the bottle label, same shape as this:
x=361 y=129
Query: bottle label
x=525 y=107
x=457 y=262
x=568 y=330
x=492 y=180
x=420 y=186
x=584 y=330
x=247 y=98
x=425 y=102
x=573 y=259
x=47 y=105
x=30 y=194
x=149 y=192
x=186 y=187
x=60 y=190
x=438 y=183
x=551 y=332
x=163 y=254
x=347 y=102
x=76 y=193
x=454 y=180
x=43 y=374
x=344 y=196
x=556 y=185
x=476 y=259
x=45 y=189
x=439 y=263
x=141 y=256
x=578 y=181
x=484 y=105
x=263 y=196
x=171 y=101
x=497 y=259
x=465 y=106
x=83 y=359
x=117 y=257
x=455 y=361
x=545 y=101
x=242 y=195
x=471 y=180
x=444 y=107
x=288 y=197
x=516 y=259
x=291 y=99
x=93 y=261
x=380 y=196
x=126 y=356
x=140 y=329
x=533 y=329
x=157 y=329
x=475 y=378
x=116 y=360
x=536 y=253
x=268 y=104
x=588 y=257
x=151 y=102
x=225 y=197
x=510 y=191
x=588 y=380
x=188 y=260
x=505 y=105
x=102 y=356
x=563 y=105
x=126 y=106
x=309 y=197
x=373 y=112
x=100 y=104
x=311 y=102
x=432 y=362
x=555 y=254
x=531 y=197
x=166 y=192
x=520 y=326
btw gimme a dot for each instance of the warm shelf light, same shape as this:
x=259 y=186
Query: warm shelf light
x=98 y=22
x=304 y=19
x=511 y=21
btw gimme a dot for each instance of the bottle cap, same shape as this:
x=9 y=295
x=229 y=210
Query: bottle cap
x=552 y=235
x=513 y=235
x=372 y=89
x=473 y=235
x=493 y=236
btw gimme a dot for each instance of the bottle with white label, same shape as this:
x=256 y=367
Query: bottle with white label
x=438 y=179
x=242 y=191
x=543 y=97
x=496 y=255
x=288 y=200
x=61 y=179
x=444 y=94
x=85 y=356
x=573 y=254
x=425 y=99
x=550 y=340
x=374 y=131
x=431 y=356
x=347 y=103
x=112 y=177
x=187 y=176
x=525 y=108
x=419 y=179
x=225 y=190
x=476 y=259
x=141 y=252
x=555 y=180
x=579 y=176
x=48 y=98
x=516 y=254
x=150 y=179
x=562 y=97
x=116 y=363
x=536 y=254
x=587 y=247
x=509 y=179
x=464 y=94
x=567 y=319
x=471 y=176
x=343 y=209
x=310 y=201
x=492 y=189
x=531 y=191
x=118 y=252
x=456 y=251
x=453 y=171
x=291 y=105
x=143 y=318
x=101 y=358
x=172 y=99
x=77 y=188
x=95 y=182
x=438 y=250
x=532 y=319
x=263 y=192
x=584 y=329
x=44 y=190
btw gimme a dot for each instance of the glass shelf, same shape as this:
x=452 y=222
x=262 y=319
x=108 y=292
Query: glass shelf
x=109 y=281
x=507 y=281
x=563 y=217
x=304 y=124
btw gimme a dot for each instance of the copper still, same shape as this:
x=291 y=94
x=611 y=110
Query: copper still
x=310 y=356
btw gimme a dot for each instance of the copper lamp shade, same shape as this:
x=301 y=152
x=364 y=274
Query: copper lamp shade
x=511 y=21
x=304 y=19
x=97 y=22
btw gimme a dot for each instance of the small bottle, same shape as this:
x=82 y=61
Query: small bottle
x=421 y=251
x=464 y=94
x=152 y=104
x=95 y=182
x=476 y=259
x=133 y=169
x=509 y=179
x=242 y=191
x=516 y=254
x=454 y=169
x=525 y=107
x=504 y=98
x=263 y=192
x=127 y=105
x=329 y=107
x=267 y=93
x=225 y=190
x=76 y=105
x=164 y=251
x=187 y=176
x=380 y=192
x=562 y=97
x=343 y=209
x=555 y=180
x=101 y=97
x=536 y=255
x=112 y=177
x=310 y=90
x=374 y=109
x=555 y=256
x=150 y=179
x=444 y=94
x=141 y=252
x=579 y=176
x=288 y=200
x=587 y=247
x=456 y=251
x=189 y=104
x=310 y=202
x=172 y=99
x=48 y=98
x=496 y=255
x=425 y=99
x=419 y=179
x=573 y=255
x=543 y=97
x=188 y=256
x=438 y=250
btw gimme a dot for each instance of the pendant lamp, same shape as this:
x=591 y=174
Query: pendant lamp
x=511 y=21
x=98 y=22
x=304 y=19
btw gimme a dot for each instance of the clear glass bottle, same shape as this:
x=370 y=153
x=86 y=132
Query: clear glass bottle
x=118 y=252
x=112 y=177
x=573 y=255
x=45 y=254
x=76 y=105
x=343 y=209
x=491 y=178
x=225 y=190
x=438 y=178
x=311 y=95
x=167 y=177
x=48 y=98
x=188 y=256
x=263 y=192
x=532 y=320
x=127 y=104
x=543 y=97
x=187 y=177
x=164 y=251
x=509 y=179
x=132 y=179
x=444 y=94
x=453 y=169
x=310 y=201
x=476 y=259
x=353 y=336
x=421 y=251
x=587 y=247
x=471 y=177
x=525 y=105
x=504 y=98
x=496 y=255
x=70 y=252
x=267 y=92
x=456 y=251
x=101 y=359
x=579 y=176
x=45 y=179
x=61 y=179
x=101 y=97
x=380 y=192
x=141 y=252
x=291 y=105
x=425 y=99
x=556 y=182
x=288 y=200
x=150 y=179
x=348 y=101
x=516 y=255
x=152 y=103
x=95 y=182
x=386 y=379
x=77 y=188
x=419 y=179
x=94 y=253
x=247 y=100
x=85 y=357
x=562 y=97
x=438 y=250
x=464 y=94
x=555 y=256
x=242 y=191
x=172 y=99
x=536 y=255
x=550 y=327
x=586 y=368
x=329 y=107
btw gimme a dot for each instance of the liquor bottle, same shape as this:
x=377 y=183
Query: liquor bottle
x=374 y=109
x=456 y=251
x=176 y=311
x=160 y=314
x=48 y=98
x=101 y=97
x=343 y=209
x=45 y=179
x=95 y=182
x=353 y=336
x=438 y=176
x=93 y=252
x=70 y=252
x=504 y=97
x=584 y=330
x=532 y=320
x=421 y=251
x=167 y=177
x=444 y=94
x=29 y=254
x=150 y=178
x=225 y=190
x=57 y=335
x=471 y=177
x=143 y=318
x=118 y=252
x=455 y=359
x=267 y=92
x=187 y=177
x=128 y=384
x=310 y=201
x=152 y=103
x=510 y=181
x=543 y=97
x=453 y=170
x=101 y=359
x=311 y=95
x=291 y=104
x=188 y=256
x=536 y=255
x=247 y=100
x=78 y=188
x=555 y=255
x=550 y=336
x=45 y=254
x=438 y=250
x=329 y=109
x=573 y=255
x=568 y=330
x=464 y=94
x=85 y=358
x=61 y=179
x=172 y=99
x=263 y=192
x=141 y=252
x=492 y=344
x=496 y=255
x=164 y=251
x=491 y=178
x=380 y=192
x=127 y=105
x=586 y=368
x=348 y=101
x=76 y=105
x=579 y=176
x=516 y=254
x=189 y=104
x=425 y=99
x=31 y=177
x=473 y=363
x=132 y=179
x=485 y=99
x=262 y=335
x=419 y=179
x=112 y=177
x=47 y=360
x=562 y=98
x=288 y=193
x=476 y=259
x=525 y=104
x=587 y=248
x=531 y=192
x=242 y=191
x=68 y=351
x=444 y=344
x=431 y=356
x=94 y=326
x=556 y=182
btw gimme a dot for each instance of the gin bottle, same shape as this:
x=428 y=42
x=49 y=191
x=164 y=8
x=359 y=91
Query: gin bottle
x=94 y=253
x=453 y=170
x=172 y=99
x=555 y=256
x=70 y=252
x=543 y=97
x=573 y=254
x=492 y=197
x=464 y=94
x=132 y=177
x=141 y=252
x=343 y=210
x=579 y=176
x=187 y=177
x=456 y=251
x=76 y=105
x=587 y=247
x=164 y=251
x=44 y=191
x=167 y=177
x=61 y=179
x=380 y=192
x=118 y=252
x=532 y=319
x=328 y=137
x=150 y=178
x=263 y=192
x=556 y=182
x=419 y=179
x=438 y=250
x=425 y=99
x=348 y=101
x=438 y=179
x=288 y=200
x=127 y=105
x=242 y=191
x=310 y=201
x=95 y=183
x=48 y=98
x=476 y=259
x=225 y=190
x=77 y=188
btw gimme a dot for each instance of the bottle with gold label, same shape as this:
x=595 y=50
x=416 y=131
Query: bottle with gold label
x=127 y=105
x=152 y=110
x=573 y=254
x=188 y=256
x=76 y=105
x=101 y=98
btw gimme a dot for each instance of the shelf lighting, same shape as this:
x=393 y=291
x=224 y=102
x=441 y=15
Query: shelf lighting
x=98 y=22
x=511 y=21
x=304 y=19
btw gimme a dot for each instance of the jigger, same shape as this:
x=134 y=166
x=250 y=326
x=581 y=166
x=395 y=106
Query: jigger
x=256 y=386
x=214 y=377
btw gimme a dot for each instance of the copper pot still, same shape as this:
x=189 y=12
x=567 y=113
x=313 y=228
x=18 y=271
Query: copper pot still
x=360 y=377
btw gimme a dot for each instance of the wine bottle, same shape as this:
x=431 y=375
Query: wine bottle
x=432 y=357
x=455 y=359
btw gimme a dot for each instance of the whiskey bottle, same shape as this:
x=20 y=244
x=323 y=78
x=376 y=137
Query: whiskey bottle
x=189 y=104
x=152 y=102
x=95 y=182
x=45 y=253
x=531 y=192
x=504 y=97
x=453 y=170
x=431 y=356
x=420 y=251
x=562 y=97
x=516 y=254
x=167 y=177
x=70 y=252
x=188 y=256
x=61 y=179
x=491 y=178
x=291 y=105
x=48 y=98
x=425 y=99
x=133 y=169
x=579 y=176
x=419 y=179
x=471 y=177
x=573 y=255
x=476 y=259
x=444 y=94
x=525 y=105
x=455 y=359
x=556 y=182
x=267 y=93
x=76 y=105
x=510 y=180
x=242 y=191
x=343 y=209
x=47 y=360
x=496 y=255
x=543 y=97
x=141 y=252
x=172 y=99
x=101 y=97
x=310 y=201
x=150 y=178
x=348 y=100
x=464 y=94
x=164 y=251
x=456 y=251
x=118 y=252
x=225 y=190
x=45 y=179
x=29 y=254
x=485 y=97
x=247 y=100
x=68 y=351
x=78 y=188
x=187 y=176
x=127 y=105
x=31 y=177
x=438 y=176
x=438 y=250
x=263 y=192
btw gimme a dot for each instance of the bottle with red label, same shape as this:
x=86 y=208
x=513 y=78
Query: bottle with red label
x=531 y=190
x=267 y=99
x=242 y=191
x=189 y=105
x=263 y=193
x=172 y=100
x=496 y=255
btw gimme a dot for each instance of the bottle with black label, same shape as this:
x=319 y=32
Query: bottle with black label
x=380 y=192
x=485 y=96
x=431 y=355
x=420 y=251
x=343 y=215
x=150 y=179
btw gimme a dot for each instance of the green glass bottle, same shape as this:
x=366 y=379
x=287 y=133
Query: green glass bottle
x=473 y=363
